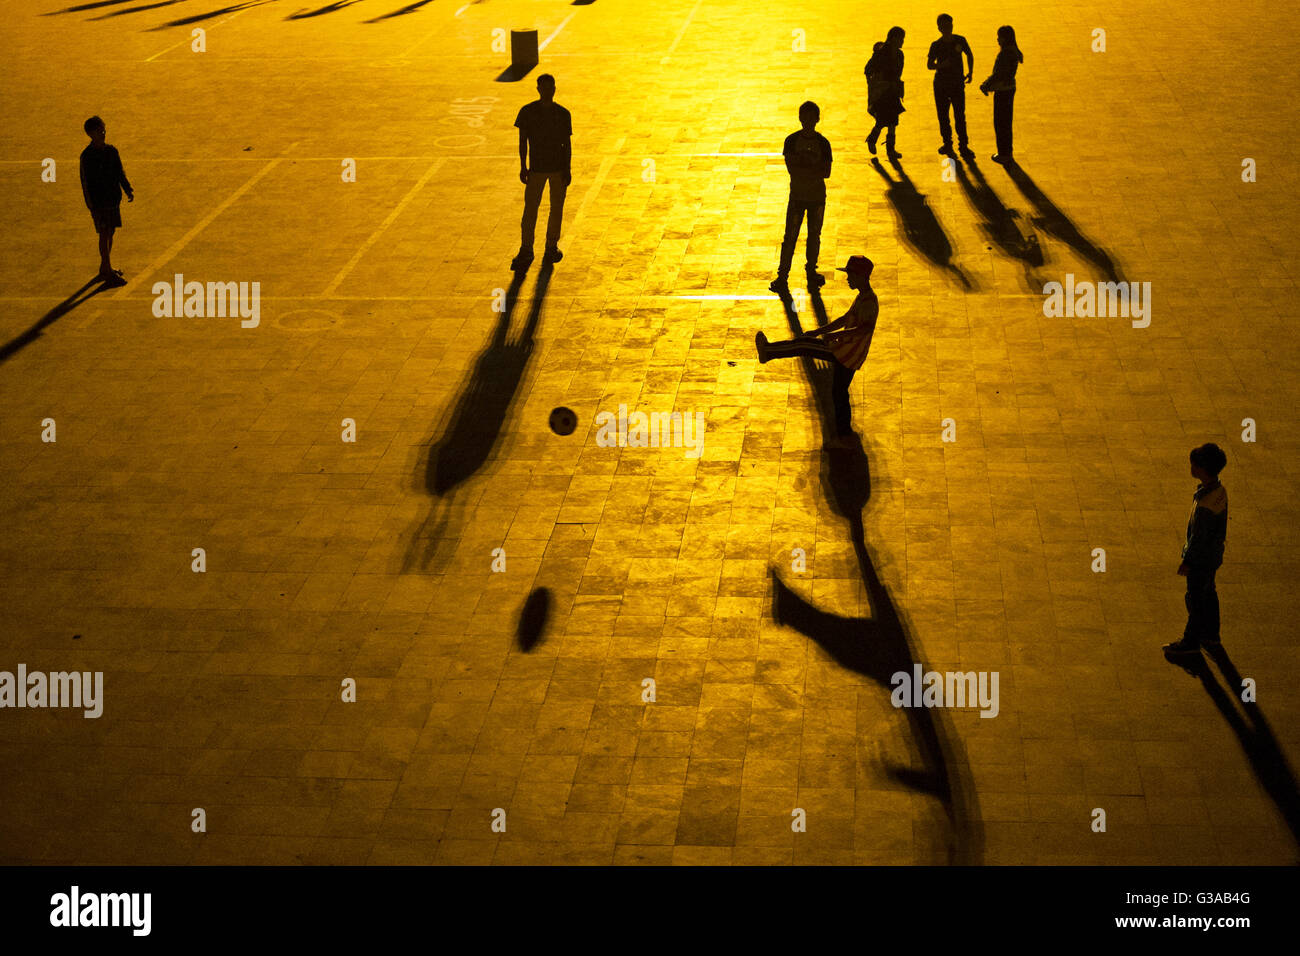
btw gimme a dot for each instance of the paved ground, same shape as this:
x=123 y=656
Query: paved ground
x=372 y=560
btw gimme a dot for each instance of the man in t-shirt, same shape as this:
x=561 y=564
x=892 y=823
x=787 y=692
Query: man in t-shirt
x=102 y=183
x=808 y=159
x=544 y=158
x=950 y=84
x=844 y=343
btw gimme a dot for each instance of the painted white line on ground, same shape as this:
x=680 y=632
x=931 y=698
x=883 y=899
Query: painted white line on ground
x=605 y=165
x=374 y=236
x=682 y=32
x=461 y=10
x=184 y=240
x=547 y=42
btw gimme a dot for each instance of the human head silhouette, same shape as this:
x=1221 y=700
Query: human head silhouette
x=809 y=115
x=895 y=37
x=94 y=128
x=1207 y=461
x=945 y=24
x=857 y=272
x=546 y=87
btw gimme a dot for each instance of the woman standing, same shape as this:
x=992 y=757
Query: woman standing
x=885 y=90
x=1002 y=83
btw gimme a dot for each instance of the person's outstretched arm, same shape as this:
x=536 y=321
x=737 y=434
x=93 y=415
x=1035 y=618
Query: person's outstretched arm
x=835 y=326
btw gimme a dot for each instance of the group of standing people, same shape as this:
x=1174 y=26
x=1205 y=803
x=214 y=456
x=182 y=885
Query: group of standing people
x=948 y=55
x=846 y=342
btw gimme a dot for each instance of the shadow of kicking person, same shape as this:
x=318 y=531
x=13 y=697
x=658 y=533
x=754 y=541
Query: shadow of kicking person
x=844 y=343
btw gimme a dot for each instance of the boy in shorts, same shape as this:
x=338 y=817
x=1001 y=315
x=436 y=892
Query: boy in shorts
x=102 y=183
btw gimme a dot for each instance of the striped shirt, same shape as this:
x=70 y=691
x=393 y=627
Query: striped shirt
x=852 y=343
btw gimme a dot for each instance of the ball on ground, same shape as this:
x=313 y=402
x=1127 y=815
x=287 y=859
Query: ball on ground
x=563 y=420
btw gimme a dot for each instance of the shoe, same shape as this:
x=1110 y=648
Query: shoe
x=522 y=261
x=553 y=254
x=760 y=343
x=966 y=152
x=816 y=280
x=871 y=145
x=1181 y=647
x=780 y=287
x=1004 y=160
x=894 y=154
x=945 y=149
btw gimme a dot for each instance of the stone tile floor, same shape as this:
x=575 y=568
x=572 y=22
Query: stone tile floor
x=373 y=560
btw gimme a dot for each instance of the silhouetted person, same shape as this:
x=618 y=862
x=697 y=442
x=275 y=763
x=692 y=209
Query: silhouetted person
x=1207 y=528
x=844 y=343
x=885 y=90
x=102 y=183
x=950 y=84
x=808 y=159
x=1002 y=84
x=544 y=157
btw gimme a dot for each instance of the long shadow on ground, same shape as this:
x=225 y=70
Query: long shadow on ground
x=1055 y=223
x=20 y=342
x=1260 y=746
x=920 y=226
x=880 y=646
x=999 y=224
x=458 y=450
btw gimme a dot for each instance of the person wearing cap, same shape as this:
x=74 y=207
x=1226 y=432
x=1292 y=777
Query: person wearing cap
x=844 y=343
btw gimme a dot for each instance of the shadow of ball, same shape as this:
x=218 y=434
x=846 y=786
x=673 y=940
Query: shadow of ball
x=563 y=420
x=533 y=619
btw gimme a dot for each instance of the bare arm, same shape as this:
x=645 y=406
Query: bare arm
x=970 y=61
x=832 y=326
x=523 y=156
x=124 y=182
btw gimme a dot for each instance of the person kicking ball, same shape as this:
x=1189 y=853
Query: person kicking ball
x=844 y=343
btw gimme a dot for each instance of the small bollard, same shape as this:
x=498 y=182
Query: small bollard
x=523 y=49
